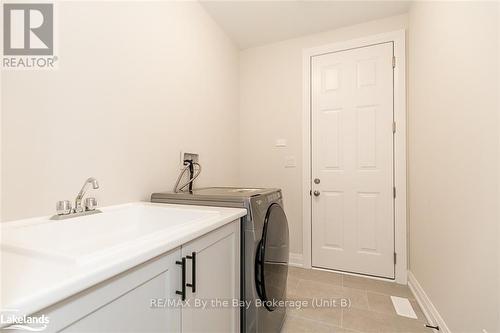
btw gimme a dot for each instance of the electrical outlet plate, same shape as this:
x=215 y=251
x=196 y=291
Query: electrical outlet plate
x=188 y=156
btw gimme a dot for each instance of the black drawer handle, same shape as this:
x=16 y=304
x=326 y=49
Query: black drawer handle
x=182 y=292
x=193 y=272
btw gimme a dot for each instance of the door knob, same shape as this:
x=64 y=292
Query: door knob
x=316 y=193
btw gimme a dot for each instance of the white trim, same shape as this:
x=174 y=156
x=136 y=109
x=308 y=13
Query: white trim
x=295 y=260
x=306 y=160
x=400 y=242
x=430 y=312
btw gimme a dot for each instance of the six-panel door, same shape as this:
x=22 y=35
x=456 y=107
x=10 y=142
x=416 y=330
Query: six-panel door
x=352 y=160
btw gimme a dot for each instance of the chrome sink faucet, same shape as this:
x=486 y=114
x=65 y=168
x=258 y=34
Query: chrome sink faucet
x=64 y=209
x=79 y=197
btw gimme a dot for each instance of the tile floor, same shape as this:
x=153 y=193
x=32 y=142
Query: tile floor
x=370 y=310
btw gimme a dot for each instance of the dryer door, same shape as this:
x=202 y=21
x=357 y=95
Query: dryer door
x=271 y=262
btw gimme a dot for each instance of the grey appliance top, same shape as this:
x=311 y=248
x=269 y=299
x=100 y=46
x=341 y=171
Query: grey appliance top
x=216 y=194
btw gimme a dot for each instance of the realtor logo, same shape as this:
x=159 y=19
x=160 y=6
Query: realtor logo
x=28 y=29
x=28 y=36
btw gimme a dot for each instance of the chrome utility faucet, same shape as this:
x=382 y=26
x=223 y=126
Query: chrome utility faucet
x=64 y=209
x=79 y=197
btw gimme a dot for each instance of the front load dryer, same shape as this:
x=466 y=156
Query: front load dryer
x=264 y=249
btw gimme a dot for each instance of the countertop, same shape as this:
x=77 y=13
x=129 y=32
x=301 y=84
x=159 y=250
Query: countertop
x=30 y=284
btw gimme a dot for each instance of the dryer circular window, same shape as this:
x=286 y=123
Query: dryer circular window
x=271 y=260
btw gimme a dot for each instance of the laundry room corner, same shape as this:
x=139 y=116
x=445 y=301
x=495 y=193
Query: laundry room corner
x=276 y=70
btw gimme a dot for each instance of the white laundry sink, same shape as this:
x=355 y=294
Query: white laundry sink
x=86 y=239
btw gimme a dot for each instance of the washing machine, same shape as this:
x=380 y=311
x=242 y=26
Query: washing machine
x=264 y=249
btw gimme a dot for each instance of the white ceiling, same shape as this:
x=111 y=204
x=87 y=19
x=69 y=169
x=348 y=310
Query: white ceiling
x=254 y=23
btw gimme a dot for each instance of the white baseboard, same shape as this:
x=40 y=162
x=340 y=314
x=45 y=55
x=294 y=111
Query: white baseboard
x=429 y=310
x=296 y=260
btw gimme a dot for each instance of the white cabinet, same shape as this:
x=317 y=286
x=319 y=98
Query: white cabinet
x=124 y=302
x=216 y=281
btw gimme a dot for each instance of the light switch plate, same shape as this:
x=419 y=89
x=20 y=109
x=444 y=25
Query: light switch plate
x=280 y=143
x=290 y=162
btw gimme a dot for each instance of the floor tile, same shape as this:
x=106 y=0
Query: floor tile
x=408 y=325
x=380 y=303
x=308 y=289
x=370 y=307
x=300 y=325
x=377 y=322
x=317 y=275
x=418 y=310
x=331 y=316
x=292 y=270
x=362 y=320
x=343 y=330
x=383 y=303
x=357 y=298
x=292 y=282
x=382 y=287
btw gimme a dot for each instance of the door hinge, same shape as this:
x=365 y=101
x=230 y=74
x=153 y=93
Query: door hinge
x=393 y=127
x=395 y=258
x=393 y=61
x=394 y=191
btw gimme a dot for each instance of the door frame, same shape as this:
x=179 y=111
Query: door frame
x=400 y=214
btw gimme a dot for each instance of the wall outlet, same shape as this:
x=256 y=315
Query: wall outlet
x=195 y=157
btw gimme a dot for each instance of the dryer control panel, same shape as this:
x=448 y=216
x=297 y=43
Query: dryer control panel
x=273 y=197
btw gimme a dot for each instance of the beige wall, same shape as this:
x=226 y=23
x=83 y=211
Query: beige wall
x=271 y=108
x=453 y=160
x=137 y=82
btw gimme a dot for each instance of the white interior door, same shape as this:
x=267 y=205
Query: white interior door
x=352 y=160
